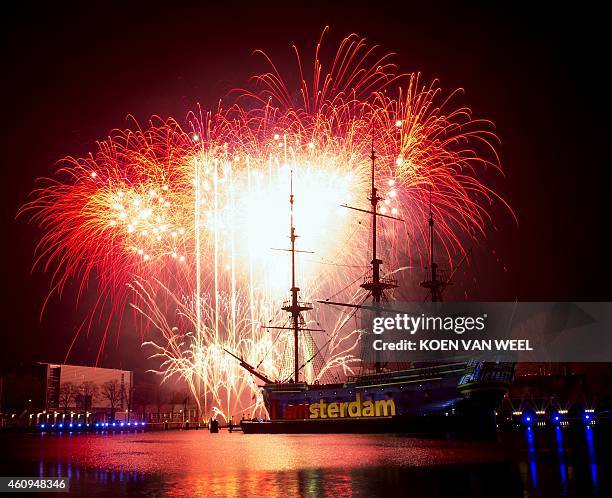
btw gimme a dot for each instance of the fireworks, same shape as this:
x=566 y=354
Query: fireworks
x=180 y=220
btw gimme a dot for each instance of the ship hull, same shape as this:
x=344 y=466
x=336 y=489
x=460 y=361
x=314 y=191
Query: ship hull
x=401 y=424
x=454 y=397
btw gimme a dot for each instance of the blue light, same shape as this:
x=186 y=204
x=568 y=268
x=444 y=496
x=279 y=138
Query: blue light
x=121 y=424
x=557 y=418
x=129 y=423
x=61 y=425
x=71 y=425
x=528 y=419
x=114 y=424
x=142 y=423
x=42 y=426
x=106 y=424
x=587 y=416
x=80 y=425
x=97 y=424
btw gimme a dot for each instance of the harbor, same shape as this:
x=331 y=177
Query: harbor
x=545 y=462
x=306 y=250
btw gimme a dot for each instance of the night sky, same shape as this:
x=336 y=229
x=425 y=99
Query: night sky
x=71 y=75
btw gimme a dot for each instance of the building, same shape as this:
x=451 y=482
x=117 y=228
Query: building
x=46 y=390
x=567 y=388
x=78 y=387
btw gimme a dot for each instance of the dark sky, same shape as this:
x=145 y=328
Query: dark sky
x=71 y=74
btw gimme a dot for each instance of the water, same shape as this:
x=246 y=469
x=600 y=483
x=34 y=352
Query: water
x=535 y=462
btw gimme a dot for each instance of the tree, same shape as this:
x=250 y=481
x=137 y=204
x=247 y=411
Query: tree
x=67 y=394
x=112 y=391
x=88 y=392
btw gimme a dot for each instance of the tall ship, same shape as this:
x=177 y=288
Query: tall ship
x=449 y=396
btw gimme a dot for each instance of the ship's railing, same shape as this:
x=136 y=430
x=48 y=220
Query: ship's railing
x=441 y=275
x=388 y=281
x=416 y=373
x=302 y=304
x=486 y=371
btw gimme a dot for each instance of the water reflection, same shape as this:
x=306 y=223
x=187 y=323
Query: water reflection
x=592 y=456
x=73 y=472
x=533 y=468
x=457 y=480
x=578 y=462
x=561 y=456
x=549 y=461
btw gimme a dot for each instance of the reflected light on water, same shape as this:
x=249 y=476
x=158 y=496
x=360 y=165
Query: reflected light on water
x=592 y=455
x=561 y=455
x=196 y=463
x=533 y=467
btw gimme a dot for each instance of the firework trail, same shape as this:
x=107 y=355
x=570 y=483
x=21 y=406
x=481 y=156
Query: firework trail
x=201 y=359
x=179 y=220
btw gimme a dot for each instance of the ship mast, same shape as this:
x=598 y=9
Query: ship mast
x=295 y=306
x=374 y=284
x=435 y=281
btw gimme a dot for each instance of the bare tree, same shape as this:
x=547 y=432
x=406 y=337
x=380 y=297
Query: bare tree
x=67 y=394
x=112 y=391
x=88 y=391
